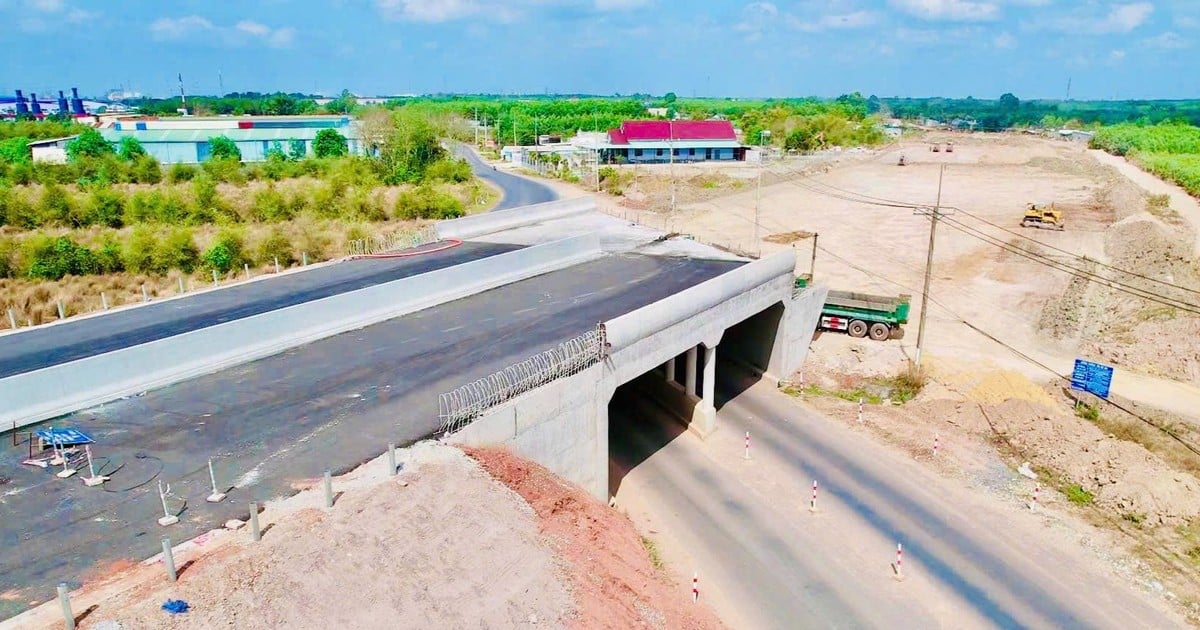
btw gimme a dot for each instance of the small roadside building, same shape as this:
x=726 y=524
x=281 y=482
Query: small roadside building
x=51 y=150
x=662 y=141
x=185 y=139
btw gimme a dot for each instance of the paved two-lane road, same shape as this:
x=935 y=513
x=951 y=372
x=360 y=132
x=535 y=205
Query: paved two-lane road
x=518 y=191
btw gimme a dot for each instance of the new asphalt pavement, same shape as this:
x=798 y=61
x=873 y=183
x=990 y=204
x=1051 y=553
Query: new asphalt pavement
x=331 y=404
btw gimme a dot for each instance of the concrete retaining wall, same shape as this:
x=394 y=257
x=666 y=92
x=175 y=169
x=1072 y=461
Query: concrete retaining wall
x=489 y=222
x=53 y=391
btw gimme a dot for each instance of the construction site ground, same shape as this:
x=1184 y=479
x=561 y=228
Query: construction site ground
x=453 y=541
x=1004 y=327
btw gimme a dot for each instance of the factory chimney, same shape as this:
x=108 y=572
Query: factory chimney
x=22 y=107
x=35 y=106
x=77 y=103
x=62 y=104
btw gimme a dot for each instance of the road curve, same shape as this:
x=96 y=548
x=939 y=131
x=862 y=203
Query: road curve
x=518 y=191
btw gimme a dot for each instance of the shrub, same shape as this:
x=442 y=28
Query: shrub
x=130 y=149
x=89 y=143
x=53 y=258
x=222 y=148
x=109 y=258
x=607 y=173
x=276 y=246
x=10 y=257
x=15 y=209
x=180 y=173
x=426 y=202
x=146 y=170
x=270 y=206
x=207 y=204
x=329 y=143
x=54 y=206
x=176 y=251
x=360 y=204
x=227 y=170
x=453 y=171
x=1079 y=496
x=225 y=253
x=138 y=255
x=105 y=206
x=325 y=201
x=15 y=150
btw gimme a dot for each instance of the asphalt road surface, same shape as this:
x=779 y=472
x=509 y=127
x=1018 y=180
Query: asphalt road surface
x=518 y=191
x=765 y=561
x=329 y=405
x=42 y=347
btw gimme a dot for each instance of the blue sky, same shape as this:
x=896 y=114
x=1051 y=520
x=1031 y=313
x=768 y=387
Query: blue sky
x=1108 y=49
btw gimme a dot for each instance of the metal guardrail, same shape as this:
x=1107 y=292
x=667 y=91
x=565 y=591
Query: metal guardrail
x=393 y=242
x=458 y=408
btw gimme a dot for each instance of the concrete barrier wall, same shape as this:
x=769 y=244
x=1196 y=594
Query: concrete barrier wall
x=60 y=389
x=489 y=222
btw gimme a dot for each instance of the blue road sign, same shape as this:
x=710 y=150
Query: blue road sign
x=1092 y=377
x=65 y=436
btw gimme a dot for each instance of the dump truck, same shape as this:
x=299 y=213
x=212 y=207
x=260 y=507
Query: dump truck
x=862 y=314
x=1043 y=216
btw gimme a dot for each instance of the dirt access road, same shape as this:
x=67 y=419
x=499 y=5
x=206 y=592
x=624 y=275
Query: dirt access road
x=973 y=558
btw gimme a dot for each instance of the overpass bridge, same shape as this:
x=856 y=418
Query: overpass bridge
x=277 y=397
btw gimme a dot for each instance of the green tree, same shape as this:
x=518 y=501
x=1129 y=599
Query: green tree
x=146 y=170
x=106 y=207
x=55 y=206
x=281 y=105
x=130 y=149
x=297 y=150
x=89 y=143
x=15 y=150
x=226 y=253
x=343 y=104
x=276 y=246
x=670 y=98
x=1009 y=102
x=138 y=255
x=329 y=144
x=53 y=258
x=223 y=148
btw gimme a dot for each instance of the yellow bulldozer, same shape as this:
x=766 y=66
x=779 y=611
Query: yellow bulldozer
x=1044 y=216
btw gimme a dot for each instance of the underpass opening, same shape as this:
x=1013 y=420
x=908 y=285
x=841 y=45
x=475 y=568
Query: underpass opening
x=644 y=415
x=749 y=346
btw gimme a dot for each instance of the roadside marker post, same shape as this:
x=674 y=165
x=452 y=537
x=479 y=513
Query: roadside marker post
x=217 y=496
x=812 y=507
x=937 y=442
x=328 y=490
x=304 y=258
x=62 y=311
x=747 y=456
x=246 y=266
x=1033 y=505
x=391 y=459
x=215 y=280
x=860 y=409
x=64 y=599
x=255 y=532
x=169 y=559
x=695 y=588
x=12 y=318
x=168 y=519
x=898 y=568
x=104 y=300
x=93 y=479
x=145 y=294
x=181 y=289
x=276 y=264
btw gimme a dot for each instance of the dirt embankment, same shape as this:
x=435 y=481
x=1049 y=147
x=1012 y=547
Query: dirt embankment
x=612 y=578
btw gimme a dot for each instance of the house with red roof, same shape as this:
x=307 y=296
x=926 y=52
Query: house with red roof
x=661 y=141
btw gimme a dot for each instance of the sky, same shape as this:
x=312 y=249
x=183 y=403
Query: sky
x=785 y=48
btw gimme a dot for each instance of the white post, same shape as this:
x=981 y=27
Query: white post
x=67 y=471
x=168 y=518
x=246 y=266
x=860 y=409
x=62 y=312
x=12 y=318
x=94 y=479
x=689 y=376
x=181 y=289
x=215 y=280
x=145 y=294
x=709 y=395
x=103 y=301
x=276 y=264
x=217 y=496
x=671 y=370
x=304 y=258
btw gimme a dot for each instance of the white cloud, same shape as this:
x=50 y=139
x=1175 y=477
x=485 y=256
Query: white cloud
x=953 y=10
x=76 y=16
x=855 y=19
x=177 y=28
x=1187 y=21
x=620 y=5
x=166 y=29
x=48 y=6
x=1004 y=40
x=429 y=10
x=757 y=19
x=1120 y=18
x=1116 y=55
x=1169 y=40
x=1123 y=18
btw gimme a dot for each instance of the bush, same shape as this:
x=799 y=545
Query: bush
x=222 y=148
x=15 y=209
x=270 y=206
x=426 y=202
x=225 y=170
x=180 y=173
x=10 y=258
x=146 y=170
x=55 y=205
x=207 y=203
x=53 y=258
x=15 y=150
x=138 y=255
x=225 y=253
x=453 y=171
x=329 y=143
x=130 y=149
x=276 y=246
x=157 y=206
x=361 y=204
x=89 y=143
x=106 y=207
x=109 y=258
x=176 y=251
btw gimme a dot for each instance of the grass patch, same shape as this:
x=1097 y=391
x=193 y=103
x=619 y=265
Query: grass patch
x=653 y=552
x=906 y=384
x=1087 y=412
x=1077 y=495
x=1131 y=517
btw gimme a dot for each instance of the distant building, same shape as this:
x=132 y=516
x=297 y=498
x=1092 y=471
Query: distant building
x=51 y=151
x=1076 y=135
x=185 y=139
x=661 y=141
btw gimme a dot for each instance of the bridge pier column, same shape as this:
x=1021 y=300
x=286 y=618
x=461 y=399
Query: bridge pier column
x=704 y=416
x=671 y=370
x=689 y=376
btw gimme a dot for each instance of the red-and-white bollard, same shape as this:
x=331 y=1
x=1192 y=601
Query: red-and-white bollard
x=1033 y=505
x=937 y=443
x=695 y=588
x=860 y=409
x=898 y=568
x=747 y=456
x=812 y=506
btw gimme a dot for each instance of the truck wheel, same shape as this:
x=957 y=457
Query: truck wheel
x=857 y=328
x=880 y=331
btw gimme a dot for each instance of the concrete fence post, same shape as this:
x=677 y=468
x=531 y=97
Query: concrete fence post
x=181 y=289
x=328 y=489
x=64 y=599
x=145 y=294
x=169 y=559
x=215 y=280
x=255 y=532
x=246 y=267
x=62 y=312
x=391 y=459
x=304 y=258
x=12 y=319
x=103 y=301
x=276 y=264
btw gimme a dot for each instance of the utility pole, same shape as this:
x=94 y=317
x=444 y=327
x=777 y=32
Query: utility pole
x=762 y=158
x=929 y=268
x=671 y=158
